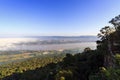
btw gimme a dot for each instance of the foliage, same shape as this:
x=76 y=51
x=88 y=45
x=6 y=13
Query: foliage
x=27 y=65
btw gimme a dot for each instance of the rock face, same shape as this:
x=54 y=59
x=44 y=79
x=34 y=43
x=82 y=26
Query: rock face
x=113 y=49
x=109 y=61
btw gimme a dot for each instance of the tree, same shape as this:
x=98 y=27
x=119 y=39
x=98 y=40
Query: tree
x=105 y=35
x=116 y=22
x=87 y=49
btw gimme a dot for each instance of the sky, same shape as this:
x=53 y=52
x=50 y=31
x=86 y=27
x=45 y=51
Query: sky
x=55 y=17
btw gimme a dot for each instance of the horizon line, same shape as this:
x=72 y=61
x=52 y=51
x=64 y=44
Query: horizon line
x=46 y=36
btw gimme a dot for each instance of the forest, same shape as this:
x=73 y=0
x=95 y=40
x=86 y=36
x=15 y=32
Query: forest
x=100 y=64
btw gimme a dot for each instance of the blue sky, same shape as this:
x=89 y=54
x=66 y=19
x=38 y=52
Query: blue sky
x=55 y=17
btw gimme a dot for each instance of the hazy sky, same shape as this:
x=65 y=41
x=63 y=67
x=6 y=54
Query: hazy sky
x=55 y=17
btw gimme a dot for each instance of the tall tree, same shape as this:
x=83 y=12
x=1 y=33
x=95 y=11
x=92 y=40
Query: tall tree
x=105 y=36
x=116 y=22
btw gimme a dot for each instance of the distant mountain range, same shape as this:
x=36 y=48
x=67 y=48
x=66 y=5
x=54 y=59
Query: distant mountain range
x=45 y=42
x=48 y=36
